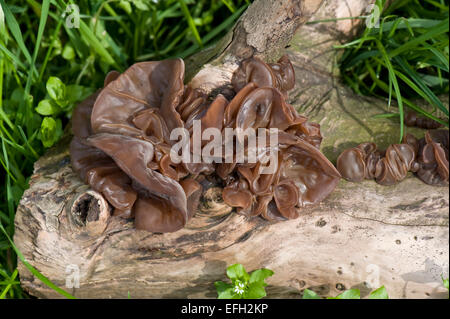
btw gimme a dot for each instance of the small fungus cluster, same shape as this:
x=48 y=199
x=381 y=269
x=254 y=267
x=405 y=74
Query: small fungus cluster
x=428 y=158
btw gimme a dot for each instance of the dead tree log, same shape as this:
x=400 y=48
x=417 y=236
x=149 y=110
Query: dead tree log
x=363 y=235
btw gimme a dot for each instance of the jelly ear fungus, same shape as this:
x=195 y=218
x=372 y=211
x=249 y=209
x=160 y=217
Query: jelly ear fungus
x=121 y=145
x=427 y=158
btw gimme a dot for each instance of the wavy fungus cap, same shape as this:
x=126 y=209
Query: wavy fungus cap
x=279 y=75
x=121 y=145
x=387 y=167
x=433 y=157
x=428 y=158
x=147 y=85
x=411 y=119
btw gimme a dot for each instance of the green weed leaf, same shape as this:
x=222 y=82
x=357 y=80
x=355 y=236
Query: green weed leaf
x=445 y=282
x=243 y=285
x=309 y=294
x=379 y=293
x=47 y=107
x=51 y=131
x=68 y=52
x=141 y=5
x=56 y=89
x=256 y=291
x=237 y=272
x=77 y=93
x=348 y=294
x=125 y=6
x=260 y=275
x=225 y=291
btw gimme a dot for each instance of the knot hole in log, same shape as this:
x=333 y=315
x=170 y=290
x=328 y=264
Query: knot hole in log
x=90 y=211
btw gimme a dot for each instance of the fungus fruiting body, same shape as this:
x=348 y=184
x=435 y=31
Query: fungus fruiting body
x=428 y=158
x=123 y=144
x=412 y=119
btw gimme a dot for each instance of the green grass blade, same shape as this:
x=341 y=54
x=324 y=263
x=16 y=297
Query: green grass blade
x=385 y=115
x=440 y=56
x=393 y=78
x=409 y=82
x=394 y=25
x=33 y=270
x=229 y=5
x=9 y=197
x=10 y=283
x=216 y=31
x=224 y=25
x=15 y=30
x=354 y=42
x=27 y=142
x=441 y=28
x=13 y=57
x=5 y=118
x=95 y=43
x=336 y=19
x=16 y=146
x=360 y=57
x=4 y=217
x=431 y=97
x=413 y=106
x=7 y=170
x=42 y=23
x=437 y=4
x=190 y=21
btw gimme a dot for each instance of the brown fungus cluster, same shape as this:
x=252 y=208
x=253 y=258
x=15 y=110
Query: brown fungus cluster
x=121 y=145
x=427 y=158
x=433 y=156
x=413 y=120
